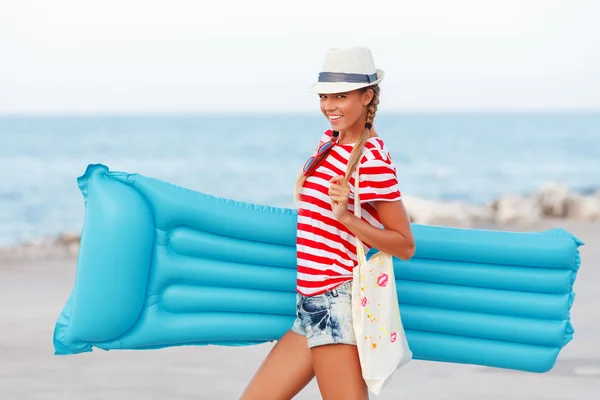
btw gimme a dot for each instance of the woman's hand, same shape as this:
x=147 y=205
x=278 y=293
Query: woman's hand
x=339 y=192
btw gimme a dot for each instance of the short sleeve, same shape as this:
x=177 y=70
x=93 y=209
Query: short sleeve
x=378 y=179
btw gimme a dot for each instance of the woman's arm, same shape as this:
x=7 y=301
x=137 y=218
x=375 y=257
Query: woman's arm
x=379 y=187
x=395 y=239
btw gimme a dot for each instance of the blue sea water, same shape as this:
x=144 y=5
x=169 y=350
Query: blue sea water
x=466 y=156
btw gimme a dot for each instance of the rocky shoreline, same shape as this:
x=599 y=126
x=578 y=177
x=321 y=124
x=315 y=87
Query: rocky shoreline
x=552 y=201
x=64 y=245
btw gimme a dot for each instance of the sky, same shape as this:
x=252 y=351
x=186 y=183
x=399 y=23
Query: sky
x=176 y=56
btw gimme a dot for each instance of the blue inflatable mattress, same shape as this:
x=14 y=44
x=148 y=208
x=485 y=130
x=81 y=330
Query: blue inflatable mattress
x=160 y=265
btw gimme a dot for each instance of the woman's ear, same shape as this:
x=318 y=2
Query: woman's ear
x=368 y=96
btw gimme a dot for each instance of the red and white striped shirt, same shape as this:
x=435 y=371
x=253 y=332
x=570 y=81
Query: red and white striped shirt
x=326 y=250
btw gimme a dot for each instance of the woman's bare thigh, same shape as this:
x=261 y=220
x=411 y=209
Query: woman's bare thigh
x=338 y=372
x=284 y=372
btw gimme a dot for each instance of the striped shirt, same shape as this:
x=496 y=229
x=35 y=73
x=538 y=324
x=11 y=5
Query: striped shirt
x=326 y=251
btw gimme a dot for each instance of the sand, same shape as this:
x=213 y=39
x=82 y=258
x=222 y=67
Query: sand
x=32 y=293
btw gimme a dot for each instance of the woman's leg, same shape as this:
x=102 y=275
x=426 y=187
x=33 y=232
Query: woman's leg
x=328 y=321
x=286 y=370
x=338 y=372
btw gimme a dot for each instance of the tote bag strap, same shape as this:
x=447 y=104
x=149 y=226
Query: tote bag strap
x=360 y=250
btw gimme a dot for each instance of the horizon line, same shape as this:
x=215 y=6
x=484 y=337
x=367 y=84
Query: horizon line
x=149 y=113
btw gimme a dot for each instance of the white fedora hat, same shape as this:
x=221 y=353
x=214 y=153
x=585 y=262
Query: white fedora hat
x=347 y=69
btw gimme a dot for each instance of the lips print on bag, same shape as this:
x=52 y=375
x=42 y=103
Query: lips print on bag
x=393 y=337
x=382 y=280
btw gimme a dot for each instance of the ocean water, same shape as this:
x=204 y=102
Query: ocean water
x=255 y=158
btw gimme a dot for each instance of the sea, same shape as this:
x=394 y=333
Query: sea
x=472 y=157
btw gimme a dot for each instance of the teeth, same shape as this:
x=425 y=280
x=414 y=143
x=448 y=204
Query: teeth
x=335 y=117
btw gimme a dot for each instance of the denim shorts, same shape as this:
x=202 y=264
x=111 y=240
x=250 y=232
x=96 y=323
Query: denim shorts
x=326 y=318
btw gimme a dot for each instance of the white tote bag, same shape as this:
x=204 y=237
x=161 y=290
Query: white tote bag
x=380 y=337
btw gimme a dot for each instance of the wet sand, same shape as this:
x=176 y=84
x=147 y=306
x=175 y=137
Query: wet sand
x=33 y=292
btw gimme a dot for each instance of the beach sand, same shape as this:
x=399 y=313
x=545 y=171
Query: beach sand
x=33 y=292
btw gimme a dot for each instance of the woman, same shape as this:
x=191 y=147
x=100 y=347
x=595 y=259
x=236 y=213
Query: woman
x=321 y=342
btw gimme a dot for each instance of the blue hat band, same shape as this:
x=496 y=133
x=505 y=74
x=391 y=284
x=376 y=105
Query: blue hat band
x=346 y=77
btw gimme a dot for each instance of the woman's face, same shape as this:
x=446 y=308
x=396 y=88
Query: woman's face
x=344 y=110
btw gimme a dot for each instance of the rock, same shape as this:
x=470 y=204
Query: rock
x=515 y=210
x=454 y=214
x=68 y=239
x=583 y=208
x=552 y=199
x=482 y=214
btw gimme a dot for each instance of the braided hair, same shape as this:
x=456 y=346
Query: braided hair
x=360 y=144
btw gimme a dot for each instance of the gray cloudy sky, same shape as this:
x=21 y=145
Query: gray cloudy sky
x=260 y=55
